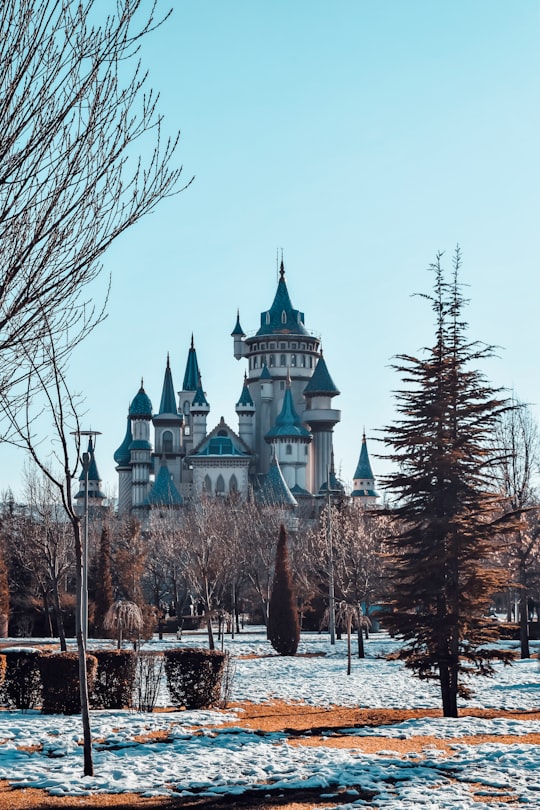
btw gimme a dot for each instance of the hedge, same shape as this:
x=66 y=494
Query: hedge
x=115 y=679
x=60 y=681
x=21 y=688
x=194 y=676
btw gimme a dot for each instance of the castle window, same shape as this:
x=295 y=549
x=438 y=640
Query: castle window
x=294 y=346
x=186 y=408
x=167 y=442
x=303 y=360
x=220 y=486
x=267 y=318
x=282 y=345
x=271 y=361
x=283 y=317
x=207 y=485
x=233 y=484
x=306 y=450
x=311 y=362
x=293 y=360
x=282 y=360
x=271 y=345
x=288 y=450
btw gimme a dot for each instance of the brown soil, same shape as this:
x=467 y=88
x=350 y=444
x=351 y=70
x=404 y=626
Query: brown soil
x=305 y=726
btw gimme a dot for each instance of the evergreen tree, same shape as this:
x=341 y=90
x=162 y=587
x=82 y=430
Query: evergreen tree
x=283 y=624
x=442 y=579
x=104 y=589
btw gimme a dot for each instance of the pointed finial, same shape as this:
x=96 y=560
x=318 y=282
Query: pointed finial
x=282 y=269
x=168 y=363
x=288 y=377
x=142 y=383
x=192 y=342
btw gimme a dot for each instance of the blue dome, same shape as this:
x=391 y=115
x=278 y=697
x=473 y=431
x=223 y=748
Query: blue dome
x=141 y=405
x=123 y=455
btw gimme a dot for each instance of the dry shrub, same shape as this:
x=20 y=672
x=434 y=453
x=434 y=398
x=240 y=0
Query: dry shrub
x=115 y=679
x=194 y=676
x=21 y=688
x=60 y=681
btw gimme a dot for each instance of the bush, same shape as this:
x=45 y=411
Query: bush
x=3 y=667
x=283 y=623
x=115 y=679
x=60 y=681
x=194 y=677
x=148 y=680
x=22 y=683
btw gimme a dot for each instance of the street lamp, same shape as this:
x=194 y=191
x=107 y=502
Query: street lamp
x=86 y=460
x=331 y=596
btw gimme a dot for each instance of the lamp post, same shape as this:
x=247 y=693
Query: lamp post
x=331 y=596
x=86 y=460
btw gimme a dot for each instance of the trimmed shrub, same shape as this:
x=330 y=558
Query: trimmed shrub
x=148 y=680
x=60 y=681
x=115 y=679
x=283 y=623
x=194 y=676
x=21 y=688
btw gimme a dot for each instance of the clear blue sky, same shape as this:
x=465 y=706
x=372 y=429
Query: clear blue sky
x=360 y=137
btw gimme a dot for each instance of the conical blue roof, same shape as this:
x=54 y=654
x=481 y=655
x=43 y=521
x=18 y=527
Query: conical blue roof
x=191 y=377
x=274 y=489
x=288 y=423
x=321 y=382
x=245 y=400
x=123 y=454
x=265 y=374
x=168 y=396
x=199 y=400
x=282 y=318
x=238 y=331
x=94 y=480
x=164 y=491
x=363 y=469
x=141 y=406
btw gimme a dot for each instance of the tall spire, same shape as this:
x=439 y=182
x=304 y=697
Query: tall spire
x=191 y=377
x=168 y=397
x=282 y=317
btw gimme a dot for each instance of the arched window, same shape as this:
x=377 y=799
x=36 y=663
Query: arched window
x=233 y=484
x=282 y=361
x=207 y=485
x=293 y=360
x=220 y=486
x=288 y=449
x=167 y=442
x=186 y=408
x=267 y=318
x=283 y=317
x=271 y=361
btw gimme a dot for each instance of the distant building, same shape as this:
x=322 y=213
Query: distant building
x=282 y=447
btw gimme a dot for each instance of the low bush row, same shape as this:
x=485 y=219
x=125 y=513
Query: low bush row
x=117 y=679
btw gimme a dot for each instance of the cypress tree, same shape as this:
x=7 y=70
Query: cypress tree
x=443 y=578
x=283 y=623
x=104 y=588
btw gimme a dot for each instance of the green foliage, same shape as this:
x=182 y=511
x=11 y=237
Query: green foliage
x=115 y=679
x=194 y=676
x=283 y=622
x=21 y=688
x=60 y=681
x=441 y=580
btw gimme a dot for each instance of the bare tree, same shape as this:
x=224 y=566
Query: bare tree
x=516 y=441
x=74 y=105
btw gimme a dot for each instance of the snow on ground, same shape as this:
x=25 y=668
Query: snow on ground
x=44 y=751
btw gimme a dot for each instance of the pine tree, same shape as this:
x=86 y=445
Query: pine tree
x=283 y=623
x=104 y=590
x=442 y=579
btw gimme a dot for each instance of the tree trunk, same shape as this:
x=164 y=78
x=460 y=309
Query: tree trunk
x=361 y=651
x=524 y=625
x=448 y=692
x=349 y=656
x=58 y=616
x=83 y=682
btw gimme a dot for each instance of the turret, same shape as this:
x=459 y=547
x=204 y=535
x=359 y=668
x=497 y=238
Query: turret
x=364 y=493
x=168 y=430
x=199 y=413
x=95 y=494
x=185 y=396
x=122 y=458
x=290 y=441
x=238 y=335
x=321 y=418
x=140 y=414
x=246 y=415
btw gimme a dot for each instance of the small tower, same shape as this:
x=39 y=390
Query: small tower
x=140 y=414
x=95 y=495
x=199 y=413
x=122 y=458
x=164 y=494
x=290 y=442
x=246 y=415
x=168 y=430
x=238 y=335
x=321 y=418
x=363 y=482
x=185 y=396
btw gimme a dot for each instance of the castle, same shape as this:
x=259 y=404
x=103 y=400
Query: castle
x=282 y=449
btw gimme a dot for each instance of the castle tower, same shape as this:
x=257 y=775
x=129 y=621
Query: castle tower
x=122 y=458
x=281 y=344
x=185 y=396
x=364 y=493
x=246 y=415
x=199 y=413
x=95 y=494
x=321 y=418
x=168 y=431
x=140 y=414
x=290 y=441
